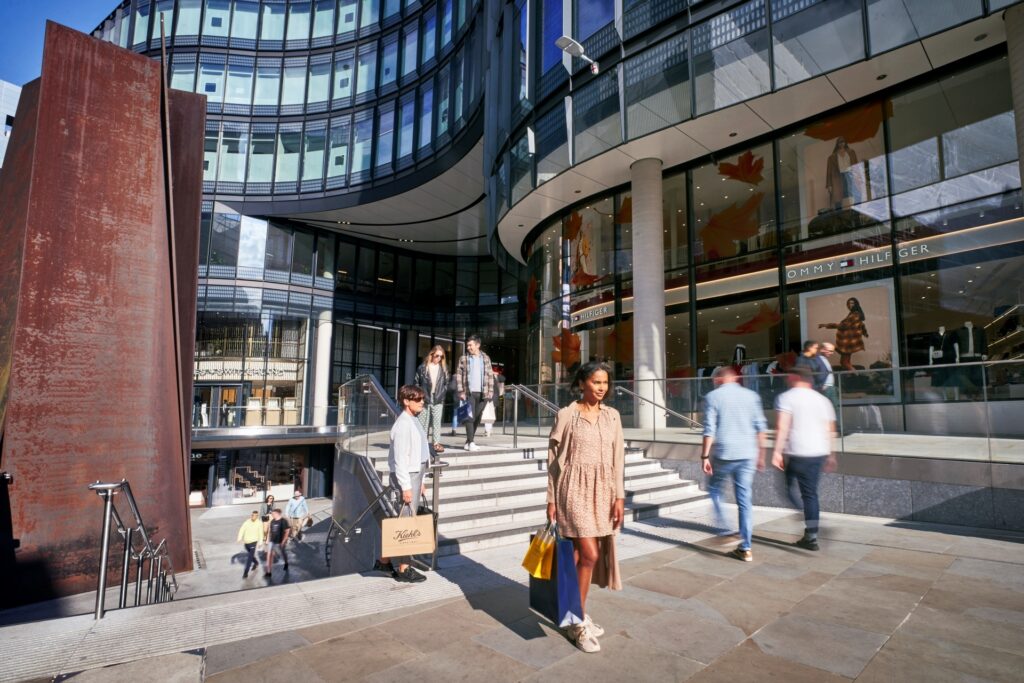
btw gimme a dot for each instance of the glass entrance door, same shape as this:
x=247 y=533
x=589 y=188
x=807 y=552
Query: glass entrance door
x=216 y=405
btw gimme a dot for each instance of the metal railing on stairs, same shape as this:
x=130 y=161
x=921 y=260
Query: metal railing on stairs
x=623 y=391
x=367 y=412
x=519 y=391
x=161 y=584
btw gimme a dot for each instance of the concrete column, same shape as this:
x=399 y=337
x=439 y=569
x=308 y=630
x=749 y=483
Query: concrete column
x=1014 y=18
x=648 y=291
x=322 y=368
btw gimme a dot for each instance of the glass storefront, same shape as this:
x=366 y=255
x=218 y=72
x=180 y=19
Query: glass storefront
x=890 y=228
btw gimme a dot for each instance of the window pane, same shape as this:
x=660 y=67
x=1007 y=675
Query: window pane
x=279 y=248
x=211 y=81
x=183 y=75
x=272 y=26
x=426 y=115
x=325 y=258
x=217 y=18
x=521 y=179
x=347 y=16
x=596 y=116
x=370 y=11
x=323 y=19
x=892 y=23
x=261 y=159
x=592 y=15
x=389 y=62
x=406 y=130
x=361 y=145
x=446 y=22
x=298 y=21
x=245 y=19
x=189 y=12
x=366 y=67
x=268 y=83
x=302 y=257
x=210 y=154
x=252 y=246
x=343 y=76
x=674 y=217
x=164 y=11
x=442 y=100
x=429 y=35
x=730 y=57
x=288 y=145
x=141 y=34
x=658 y=87
x=550 y=31
x=385 y=135
x=409 y=50
x=734 y=205
x=239 y=88
x=391 y=8
x=233 y=150
x=224 y=240
x=552 y=144
x=313 y=154
x=816 y=37
x=294 y=89
x=337 y=164
x=319 y=82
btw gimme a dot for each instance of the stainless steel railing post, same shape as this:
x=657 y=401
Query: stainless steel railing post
x=515 y=421
x=138 y=578
x=125 y=568
x=101 y=590
x=159 y=577
x=149 y=584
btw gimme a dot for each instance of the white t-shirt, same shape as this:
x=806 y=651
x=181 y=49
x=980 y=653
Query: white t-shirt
x=810 y=433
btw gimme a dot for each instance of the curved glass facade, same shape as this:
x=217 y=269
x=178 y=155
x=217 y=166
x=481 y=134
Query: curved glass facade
x=663 y=62
x=306 y=97
x=908 y=201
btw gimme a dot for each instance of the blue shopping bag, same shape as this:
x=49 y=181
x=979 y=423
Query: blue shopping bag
x=464 y=413
x=558 y=598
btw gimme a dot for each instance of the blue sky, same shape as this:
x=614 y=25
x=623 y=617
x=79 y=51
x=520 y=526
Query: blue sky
x=23 y=22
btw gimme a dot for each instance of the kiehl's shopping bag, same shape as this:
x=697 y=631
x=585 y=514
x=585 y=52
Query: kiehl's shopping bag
x=407 y=535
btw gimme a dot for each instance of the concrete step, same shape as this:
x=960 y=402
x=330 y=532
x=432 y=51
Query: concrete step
x=505 y=511
x=460 y=459
x=533 y=478
x=490 y=472
x=517 y=531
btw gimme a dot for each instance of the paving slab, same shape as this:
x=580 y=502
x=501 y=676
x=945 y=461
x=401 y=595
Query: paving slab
x=749 y=662
x=232 y=655
x=181 y=667
x=686 y=634
x=621 y=659
x=461 y=660
x=843 y=650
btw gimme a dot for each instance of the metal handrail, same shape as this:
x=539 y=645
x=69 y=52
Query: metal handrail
x=668 y=411
x=518 y=389
x=167 y=582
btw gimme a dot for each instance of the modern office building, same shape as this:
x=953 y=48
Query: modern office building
x=9 y=95
x=730 y=178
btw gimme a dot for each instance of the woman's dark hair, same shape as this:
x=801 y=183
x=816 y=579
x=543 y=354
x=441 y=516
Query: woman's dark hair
x=410 y=392
x=856 y=308
x=587 y=371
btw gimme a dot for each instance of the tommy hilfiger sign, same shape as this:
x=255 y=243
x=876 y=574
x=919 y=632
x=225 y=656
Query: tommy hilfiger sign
x=873 y=258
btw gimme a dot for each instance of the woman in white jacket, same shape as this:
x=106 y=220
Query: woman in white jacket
x=407 y=460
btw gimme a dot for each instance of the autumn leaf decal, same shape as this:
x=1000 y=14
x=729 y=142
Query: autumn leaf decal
x=625 y=213
x=766 y=318
x=747 y=169
x=730 y=226
x=855 y=125
x=573 y=225
x=531 y=299
x=567 y=348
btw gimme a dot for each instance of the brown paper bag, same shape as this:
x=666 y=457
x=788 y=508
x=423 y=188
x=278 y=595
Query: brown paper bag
x=409 y=535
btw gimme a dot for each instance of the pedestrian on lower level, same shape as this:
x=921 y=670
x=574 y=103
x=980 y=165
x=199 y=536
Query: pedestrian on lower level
x=277 y=538
x=249 y=534
x=586 y=489
x=408 y=458
x=265 y=510
x=803 y=446
x=734 y=441
x=297 y=512
x=475 y=380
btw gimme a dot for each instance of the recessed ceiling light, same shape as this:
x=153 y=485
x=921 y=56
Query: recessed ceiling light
x=577 y=191
x=520 y=225
x=732 y=134
x=980 y=37
x=881 y=77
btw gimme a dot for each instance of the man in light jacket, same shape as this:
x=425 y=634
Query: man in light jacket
x=474 y=380
x=251 y=533
x=297 y=511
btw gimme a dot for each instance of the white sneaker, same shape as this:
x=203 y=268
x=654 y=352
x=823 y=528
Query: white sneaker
x=472 y=447
x=583 y=638
x=595 y=630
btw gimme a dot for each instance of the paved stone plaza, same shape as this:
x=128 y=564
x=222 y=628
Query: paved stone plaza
x=881 y=601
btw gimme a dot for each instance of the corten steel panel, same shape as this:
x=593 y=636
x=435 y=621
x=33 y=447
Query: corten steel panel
x=93 y=382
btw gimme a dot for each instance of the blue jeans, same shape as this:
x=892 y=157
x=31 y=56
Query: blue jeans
x=742 y=473
x=805 y=472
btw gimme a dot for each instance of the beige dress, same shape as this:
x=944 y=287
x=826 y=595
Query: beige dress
x=585 y=491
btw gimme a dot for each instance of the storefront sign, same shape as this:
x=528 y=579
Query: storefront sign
x=593 y=313
x=864 y=260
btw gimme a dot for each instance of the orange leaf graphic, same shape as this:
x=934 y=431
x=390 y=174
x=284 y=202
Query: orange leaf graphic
x=567 y=348
x=765 y=318
x=625 y=214
x=747 y=169
x=573 y=225
x=729 y=226
x=855 y=125
x=531 y=299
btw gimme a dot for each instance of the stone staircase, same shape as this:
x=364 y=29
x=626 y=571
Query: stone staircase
x=497 y=496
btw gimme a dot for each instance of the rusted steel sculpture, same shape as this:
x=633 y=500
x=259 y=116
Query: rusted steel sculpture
x=99 y=230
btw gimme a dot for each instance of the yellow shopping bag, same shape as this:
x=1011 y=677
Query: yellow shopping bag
x=539 y=554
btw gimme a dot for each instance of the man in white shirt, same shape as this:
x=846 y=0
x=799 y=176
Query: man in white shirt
x=805 y=427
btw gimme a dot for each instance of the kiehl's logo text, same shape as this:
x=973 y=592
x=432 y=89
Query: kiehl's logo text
x=406 y=534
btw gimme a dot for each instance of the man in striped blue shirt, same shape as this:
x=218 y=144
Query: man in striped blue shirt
x=734 y=443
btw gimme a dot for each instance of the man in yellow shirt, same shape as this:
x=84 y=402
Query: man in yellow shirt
x=251 y=533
